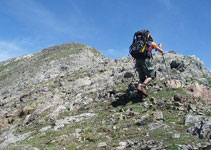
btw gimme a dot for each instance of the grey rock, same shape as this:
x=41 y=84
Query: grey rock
x=143 y=120
x=176 y=136
x=102 y=144
x=9 y=138
x=158 y=116
x=45 y=129
x=145 y=147
x=60 y=123
x=202 y=129
x=157 y=125
x=128 y=75
x=177 y=64
x=172 y=52
x=185 y=147
x=206 y=147
x=190 y=119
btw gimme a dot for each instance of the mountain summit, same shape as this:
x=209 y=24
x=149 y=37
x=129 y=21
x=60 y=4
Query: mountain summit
x=72 y=97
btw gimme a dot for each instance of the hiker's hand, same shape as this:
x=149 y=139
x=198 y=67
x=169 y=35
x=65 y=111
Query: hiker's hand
x=160 y=49
x=160 y=46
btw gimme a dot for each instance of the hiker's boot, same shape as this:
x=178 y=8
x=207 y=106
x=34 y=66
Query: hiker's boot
x=139 y=95
x=142 y=90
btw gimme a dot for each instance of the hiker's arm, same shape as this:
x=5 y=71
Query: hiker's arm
x=158 y=47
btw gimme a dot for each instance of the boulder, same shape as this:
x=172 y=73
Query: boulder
x=177 y=64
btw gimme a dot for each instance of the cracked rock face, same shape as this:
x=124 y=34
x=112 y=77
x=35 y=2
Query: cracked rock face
x=202 y=126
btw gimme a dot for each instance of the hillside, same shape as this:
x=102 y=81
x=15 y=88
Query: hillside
x=71 y=97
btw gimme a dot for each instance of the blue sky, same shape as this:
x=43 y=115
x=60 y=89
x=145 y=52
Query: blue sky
x=27 y=26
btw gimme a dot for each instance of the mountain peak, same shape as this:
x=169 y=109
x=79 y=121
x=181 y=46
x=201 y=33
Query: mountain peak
x=70 y=96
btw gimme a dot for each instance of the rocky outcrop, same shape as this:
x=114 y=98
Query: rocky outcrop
x=72 y=93
x=201 y=127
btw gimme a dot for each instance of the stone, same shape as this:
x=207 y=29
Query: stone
x=175 y=83
x=158 y=116
x=157 y=125
x=177 y=64
x=185 y=147
x=190 y=119
x=77 y=133
x=102 y=144
x=11 y=138
x=11 y=120
x=122 y=143
x=128 y=75
x=60 y=123
x=145 y=147
x=120 y=147
x=197 y=90
x=191 y=107
x=207 y=147
x=176 y=136
x=178 y=98
x=172 y=52
x=202 y=129
x=83 y=82
x=45 y=129
x=143 y=120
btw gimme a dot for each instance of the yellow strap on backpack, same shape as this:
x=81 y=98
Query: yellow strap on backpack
x=145 y=43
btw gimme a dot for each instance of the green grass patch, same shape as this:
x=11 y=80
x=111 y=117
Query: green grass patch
x=208 y=114
x=158 y=133
x=122 y=87
x=172 y=117
x=166 y=93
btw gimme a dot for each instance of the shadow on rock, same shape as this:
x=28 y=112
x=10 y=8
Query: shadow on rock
x=123 y=99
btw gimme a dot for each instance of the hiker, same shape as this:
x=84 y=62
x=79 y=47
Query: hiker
x=141 y=51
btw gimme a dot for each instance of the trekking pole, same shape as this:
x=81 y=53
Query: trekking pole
x=169 y=76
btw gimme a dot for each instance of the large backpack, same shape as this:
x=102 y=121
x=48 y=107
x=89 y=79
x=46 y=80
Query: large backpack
x=141 y=44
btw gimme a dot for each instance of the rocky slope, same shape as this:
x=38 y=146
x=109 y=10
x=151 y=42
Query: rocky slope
x=71 y=97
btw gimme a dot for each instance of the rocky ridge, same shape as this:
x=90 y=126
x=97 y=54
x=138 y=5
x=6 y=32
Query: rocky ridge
x=71 y=97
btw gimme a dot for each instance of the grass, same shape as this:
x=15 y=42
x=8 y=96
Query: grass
x=122 y=87
x=9 y=65
x=158 y=133
x=5 y=76
x=208 y=114
x=172 y=117
x=166 y=93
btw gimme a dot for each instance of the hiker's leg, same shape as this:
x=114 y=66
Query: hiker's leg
x=141 y=73
x=150 y=73
x=147 y=81
x=142 y=77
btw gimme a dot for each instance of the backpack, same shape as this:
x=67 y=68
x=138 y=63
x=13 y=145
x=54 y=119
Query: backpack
x=141 y=44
